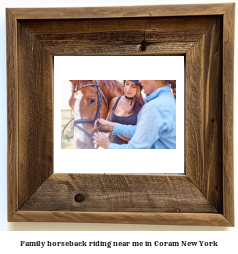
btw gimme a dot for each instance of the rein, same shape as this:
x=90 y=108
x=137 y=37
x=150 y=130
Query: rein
x=78 y=121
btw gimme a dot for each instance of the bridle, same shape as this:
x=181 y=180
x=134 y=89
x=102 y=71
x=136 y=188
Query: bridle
x=78 y=121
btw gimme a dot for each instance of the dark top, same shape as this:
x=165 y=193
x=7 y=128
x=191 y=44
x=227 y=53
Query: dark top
x=128 y=120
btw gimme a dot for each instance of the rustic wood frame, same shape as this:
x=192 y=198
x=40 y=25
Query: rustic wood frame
x=204 y=34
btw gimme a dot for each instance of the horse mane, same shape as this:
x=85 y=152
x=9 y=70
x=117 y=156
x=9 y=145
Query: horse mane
x=112 y=84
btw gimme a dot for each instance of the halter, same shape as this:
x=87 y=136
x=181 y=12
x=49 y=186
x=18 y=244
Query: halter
x=78 y=121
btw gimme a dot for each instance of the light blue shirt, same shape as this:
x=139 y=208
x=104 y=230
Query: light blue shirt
x=156 y=124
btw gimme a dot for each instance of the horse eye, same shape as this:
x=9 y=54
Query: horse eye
x=92 y=101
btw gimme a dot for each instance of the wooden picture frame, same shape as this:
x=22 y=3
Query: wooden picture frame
x=204 y=34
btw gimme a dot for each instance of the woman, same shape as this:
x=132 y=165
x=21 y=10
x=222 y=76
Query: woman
x=125 y=109
x=156 y=125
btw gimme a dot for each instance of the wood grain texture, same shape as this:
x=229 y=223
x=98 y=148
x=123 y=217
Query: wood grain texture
x=122 y=11
x=59 y=48
x=35 y=103
x=119 y=36
x=189 y=26
x=12 y=114
x=204 y=115
x=227 y=113
x=192 y=219
x=140 y=193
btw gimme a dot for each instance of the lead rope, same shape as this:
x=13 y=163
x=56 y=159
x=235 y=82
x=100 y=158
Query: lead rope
x=98 y=111
x=100 y=96
x=66 y=136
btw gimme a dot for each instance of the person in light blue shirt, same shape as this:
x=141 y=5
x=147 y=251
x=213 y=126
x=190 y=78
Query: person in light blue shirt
x=156 y=125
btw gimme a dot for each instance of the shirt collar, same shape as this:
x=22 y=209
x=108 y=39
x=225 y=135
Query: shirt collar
x=156 y=93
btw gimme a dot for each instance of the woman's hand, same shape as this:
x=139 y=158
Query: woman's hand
x=101 y=139
x=104 y=124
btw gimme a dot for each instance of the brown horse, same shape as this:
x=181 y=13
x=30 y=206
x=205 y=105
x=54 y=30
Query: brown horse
x=85 y=102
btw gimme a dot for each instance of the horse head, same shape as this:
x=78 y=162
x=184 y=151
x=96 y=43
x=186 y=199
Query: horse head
x=87 y=103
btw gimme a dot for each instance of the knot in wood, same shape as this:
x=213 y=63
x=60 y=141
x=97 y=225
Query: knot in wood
x=79 y=198
x=143 y=45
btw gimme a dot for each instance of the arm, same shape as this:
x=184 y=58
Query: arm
x=151 y=123
x=124 y=130
x=112 y=103
x=106 y=124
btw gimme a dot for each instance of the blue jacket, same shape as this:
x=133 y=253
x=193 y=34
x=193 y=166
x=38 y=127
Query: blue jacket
x=156 y=124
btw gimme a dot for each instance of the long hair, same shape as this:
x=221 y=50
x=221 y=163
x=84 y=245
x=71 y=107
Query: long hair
x=139 y=101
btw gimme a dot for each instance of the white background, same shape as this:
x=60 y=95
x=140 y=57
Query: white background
x=10 y=240
x=120 y=67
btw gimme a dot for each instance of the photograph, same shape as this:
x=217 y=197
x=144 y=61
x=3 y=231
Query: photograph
x=137 y=120
x=118 y=114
